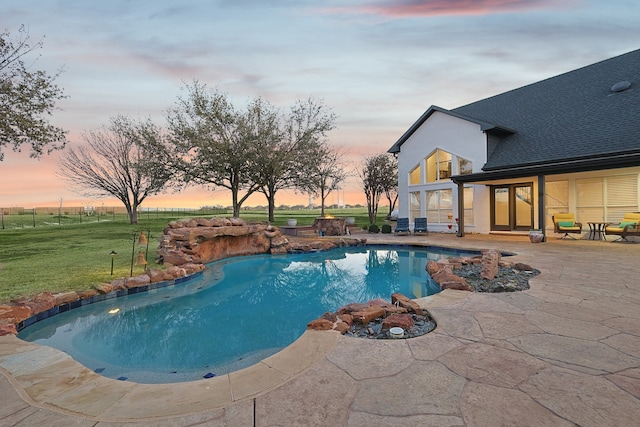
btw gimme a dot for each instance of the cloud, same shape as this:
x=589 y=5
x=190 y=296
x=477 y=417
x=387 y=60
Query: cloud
x=422 y=8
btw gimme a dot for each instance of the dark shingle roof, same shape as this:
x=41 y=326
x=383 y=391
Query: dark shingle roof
x=570 y=116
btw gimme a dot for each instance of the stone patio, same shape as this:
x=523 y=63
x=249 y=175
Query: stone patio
x=565 y=352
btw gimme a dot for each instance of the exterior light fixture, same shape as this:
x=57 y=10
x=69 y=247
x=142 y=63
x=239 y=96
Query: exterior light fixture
x=113 y=256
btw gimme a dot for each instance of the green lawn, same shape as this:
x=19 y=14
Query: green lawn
x=75 y=256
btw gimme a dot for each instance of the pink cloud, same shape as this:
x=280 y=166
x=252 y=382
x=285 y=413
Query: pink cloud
x=409 y=8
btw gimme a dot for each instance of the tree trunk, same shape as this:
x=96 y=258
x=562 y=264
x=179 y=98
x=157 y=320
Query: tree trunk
x=392 y=203
x=322 y=197
x=236 y=207
x=133 y=215
x=271 y=200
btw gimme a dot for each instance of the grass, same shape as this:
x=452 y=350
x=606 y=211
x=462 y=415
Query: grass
x=76 y=256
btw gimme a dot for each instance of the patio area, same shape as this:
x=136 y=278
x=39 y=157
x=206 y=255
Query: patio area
x=565 y=352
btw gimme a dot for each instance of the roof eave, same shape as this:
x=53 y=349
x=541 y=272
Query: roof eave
x=567 y=166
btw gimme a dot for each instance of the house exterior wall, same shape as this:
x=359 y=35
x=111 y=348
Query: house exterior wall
x=458 y=137
x=615 y=202
x=463 y=138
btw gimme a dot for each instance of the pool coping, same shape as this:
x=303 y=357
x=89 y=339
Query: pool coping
x=51 y=379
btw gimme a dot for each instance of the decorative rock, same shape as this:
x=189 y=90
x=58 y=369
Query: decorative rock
x=444 y=276
x=278 y=241
x=41 y=302
x=346 y=318
x=432 y=267
x=174 y=272
x=490 y=260
x=404 y=321
x=191 y=268
x=119 y=284
x=522 y=266
x=406 y=302
x=14 y=313
x=137 y=281
x=341 y=327
x=236 y=221
x=156 y=275
x=87 y=293
x=350 y=308
x=204 y=222
x=7 y=328
x=103 y=288
x=282 y=250
x=320 y=325
x=329 y=316
x=368 y=314
x=66 y=297
x=457 y=286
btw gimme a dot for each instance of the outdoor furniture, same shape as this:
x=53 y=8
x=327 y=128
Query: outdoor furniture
x=402 y=226
x=420 y=226
x=629 y=226
x=566 y=223
x=596 y=230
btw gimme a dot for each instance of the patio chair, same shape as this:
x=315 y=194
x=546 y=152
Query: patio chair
x=420 y=226
x=402 y=226
x=629 y=226
x=566 y=223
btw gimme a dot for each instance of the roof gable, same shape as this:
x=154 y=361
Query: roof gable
x=484 y=126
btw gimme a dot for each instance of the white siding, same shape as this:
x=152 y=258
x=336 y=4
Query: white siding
x=458 y=137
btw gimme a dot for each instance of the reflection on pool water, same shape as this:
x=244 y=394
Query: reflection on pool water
x=238 y=312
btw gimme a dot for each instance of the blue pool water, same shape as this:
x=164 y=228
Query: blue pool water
x=238 y=312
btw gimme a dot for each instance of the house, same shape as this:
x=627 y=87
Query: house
x=507 y=163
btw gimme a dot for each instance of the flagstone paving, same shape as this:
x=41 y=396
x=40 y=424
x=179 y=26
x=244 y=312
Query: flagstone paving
x=566 y=352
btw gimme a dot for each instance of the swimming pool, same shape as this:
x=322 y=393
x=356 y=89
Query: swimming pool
x=239 y=311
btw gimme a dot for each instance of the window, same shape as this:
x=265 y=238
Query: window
x=622 y=196
x=439 y=166
x=415 y=175
x=590 y=199
x=606 y=198
x=465 y=167
x=468 y=205
x=439 y=206
x=415 y=208
x=556 y=199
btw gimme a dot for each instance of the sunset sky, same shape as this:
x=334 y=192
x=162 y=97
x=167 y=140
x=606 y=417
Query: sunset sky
x=379 y=64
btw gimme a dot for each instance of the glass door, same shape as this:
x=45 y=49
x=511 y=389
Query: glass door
x=512 y=207
x=523 y=207
x=500 y=204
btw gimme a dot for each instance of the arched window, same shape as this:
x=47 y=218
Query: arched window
x=439 y=166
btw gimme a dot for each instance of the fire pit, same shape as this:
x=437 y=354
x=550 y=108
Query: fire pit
x=330 y=226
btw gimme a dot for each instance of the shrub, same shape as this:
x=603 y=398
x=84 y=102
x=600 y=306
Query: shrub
x=374 y=228
x=386 y=228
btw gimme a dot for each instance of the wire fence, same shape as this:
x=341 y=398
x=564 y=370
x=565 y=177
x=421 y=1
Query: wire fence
x=18 y=217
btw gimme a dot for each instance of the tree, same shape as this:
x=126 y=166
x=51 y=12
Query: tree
x=26 y=99
x=294 y=149
x=390 y=182
x=116 y=163
x=214 y=145
x=323 y=173
x=255 y=149
x=379 y=176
